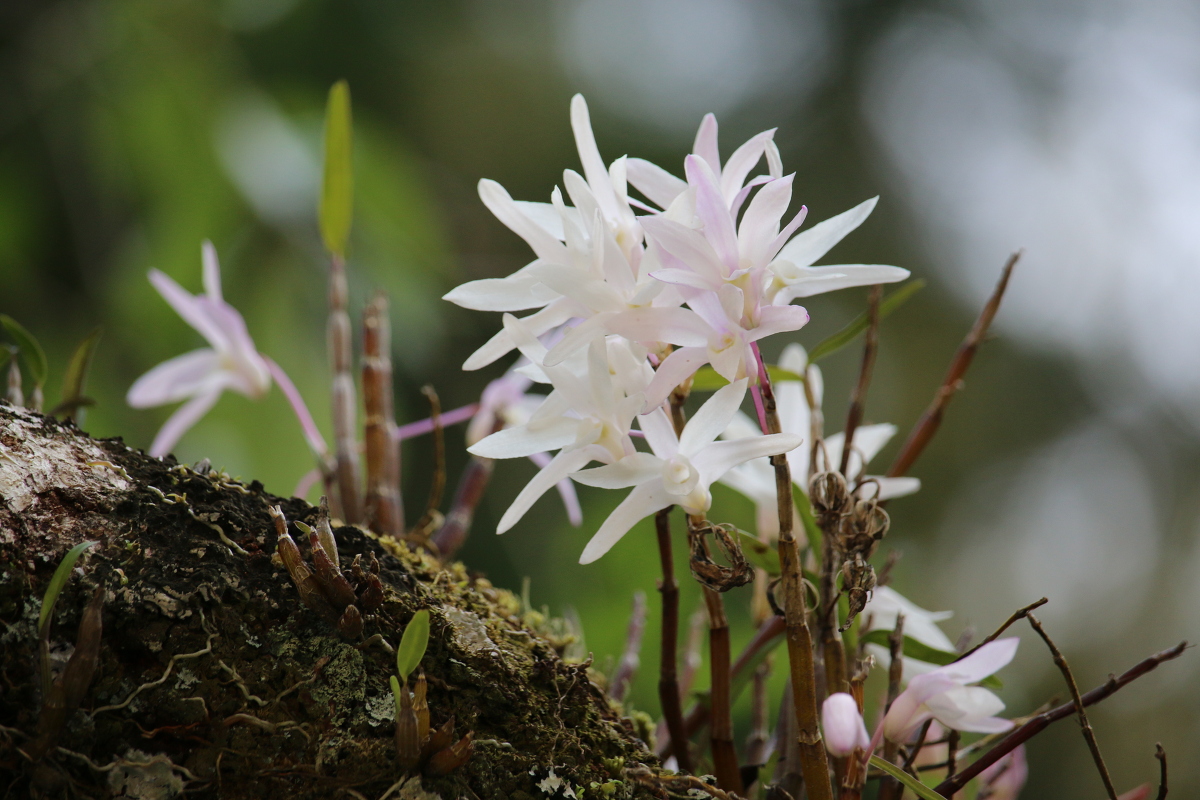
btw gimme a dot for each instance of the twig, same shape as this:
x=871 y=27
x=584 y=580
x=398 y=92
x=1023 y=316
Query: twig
x=1061 y=662
x=428 y=521
x=952 y=741
x=1039 y=723
x=914 y=751
x=631 y=657
x=1017 y=615
x=890 y=788
x=668 y=687
x=813 y=761
x=1161 y=755
x=858 y=398
x=384 y=506
x=928 y=424
x=725 y=760
x=344 y=406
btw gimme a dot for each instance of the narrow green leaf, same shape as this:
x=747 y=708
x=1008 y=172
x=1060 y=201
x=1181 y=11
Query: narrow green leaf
x=923 y=652
x=804 y=507
x=919 y=788
x=852 y=331
x=31 y=351
x=395 y=684
x=58 y=581
x=413 y=644
x=76 y=377
x=740 y=681
x=337 y=188
x=760 y=554
x=707 y=379
x=7 y=351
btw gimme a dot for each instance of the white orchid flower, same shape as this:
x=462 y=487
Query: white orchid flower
x=680 y=471
x=945 y=694
x=793 y=276
x=231 y=362
x=586 y=418
x=843 y=725
x=880 y=613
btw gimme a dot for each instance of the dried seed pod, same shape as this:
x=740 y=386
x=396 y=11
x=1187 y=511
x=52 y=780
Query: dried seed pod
x=408 y=743
x=439 y=740
x=325 y=532
x=716 y=576
x=451 y=758
x=350 y=624
x=421 y=707
x=830 y=498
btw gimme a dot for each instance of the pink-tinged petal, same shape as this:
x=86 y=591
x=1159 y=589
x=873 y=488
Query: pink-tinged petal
x=740 y=197
x=891 y=488
x=566 y=492
x=688 y=246
x=553 y=315
x=660 y=433
x=248 y=372
x=643 y=501
x=505 y=209
x=306 y=482
x=908 y=711
x=678 y=326
x=733 y=302
x=548 y=216
x=658 y=185
x=611 y=262
x=674 y=370
x=181 y=421
x=734 y=173
x=188 y=375
x=193 y=310
x=598 y=177
x=969 y=708
x=1140 y=793
x=312 y=434
x=807 y=247
x=809 y=281
x=781 y=238
x=514 y=293
x=843 y=725
x=719 y=457
x=712 y=418
x=684 y=277
x=713 y=211
x=987 y=660
x=760 y=223
x=524 y=441
x=577 y=338
x=212 y=270
x=777 y=319
x=705 y=144
x=629 y=471
x=560 y=467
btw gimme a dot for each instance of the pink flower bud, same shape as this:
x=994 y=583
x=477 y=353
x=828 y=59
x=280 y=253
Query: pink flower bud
x=844 y=728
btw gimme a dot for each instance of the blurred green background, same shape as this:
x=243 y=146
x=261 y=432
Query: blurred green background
x=131 y=130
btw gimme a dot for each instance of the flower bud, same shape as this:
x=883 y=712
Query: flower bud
x=845 y=731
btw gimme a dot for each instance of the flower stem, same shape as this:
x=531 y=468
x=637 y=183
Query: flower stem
x=668 y=686
x=344 y=406
x=384 y=506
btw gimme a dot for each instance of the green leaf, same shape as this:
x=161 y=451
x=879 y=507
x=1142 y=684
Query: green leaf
x=58 y=581
x=395 y=684
x=413 y=644
x=852 y=331
x=804 y=507
x=31 y=351
x=707 y=379
x=923 y=652
x=76 y=378
x=7 y=351
x=740 y=681
x=337 y=188
x=919 y=788
x=760 y=554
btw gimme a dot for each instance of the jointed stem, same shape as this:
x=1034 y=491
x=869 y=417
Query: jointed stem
x=344 y=407
x=384 y=507
x=668 y=686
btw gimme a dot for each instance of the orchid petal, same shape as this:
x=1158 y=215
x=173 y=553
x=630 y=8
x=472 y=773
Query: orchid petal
x=777 y=319
x=712 y=418
x=760 y=223
x=212 y=270
x=553 y=315
x=193 y=311
x=188 y=375
x=514 y=293
x=705 y=144
x=734 y=173
x=629 y=471
x=807 y=247
x=560 y=467
x=505 y=209
x=658 y=185
x=713 y=211
x=181 y=421
x=678 y=326
x=660 y=433
x=720 y=457
x=524 y=441
x=643 y=501
x=674 y=370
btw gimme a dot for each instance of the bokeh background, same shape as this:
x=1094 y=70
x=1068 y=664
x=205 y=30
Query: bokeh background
x=130 y=130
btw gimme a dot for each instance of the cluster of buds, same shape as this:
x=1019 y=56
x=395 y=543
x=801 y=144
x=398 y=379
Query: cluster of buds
x=324 y=588
x=420 y=748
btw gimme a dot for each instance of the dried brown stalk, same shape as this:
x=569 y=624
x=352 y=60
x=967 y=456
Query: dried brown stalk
x=1017 y=615
x=384 y=507
x=349 y=505
x=1088 y=734
x=1039 y=723
x=858 y=398
x=1161 y=755
x=471 y=485
x=929 y=422
x=668 y=687
x=813 y=762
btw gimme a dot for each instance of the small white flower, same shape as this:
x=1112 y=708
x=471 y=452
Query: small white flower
x=681 y=470
x=945 y=694
x=232 y=362
x=880 y=614
x=843 y=725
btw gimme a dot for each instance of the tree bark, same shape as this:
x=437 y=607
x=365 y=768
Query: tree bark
x=214 y=678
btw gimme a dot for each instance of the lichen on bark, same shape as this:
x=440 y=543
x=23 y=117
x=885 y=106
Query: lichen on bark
x=216 y=680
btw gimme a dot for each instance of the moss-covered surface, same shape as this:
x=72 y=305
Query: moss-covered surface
x=239 y=690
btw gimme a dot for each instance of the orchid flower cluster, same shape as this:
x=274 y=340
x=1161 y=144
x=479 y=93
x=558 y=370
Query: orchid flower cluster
x=629 y=306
